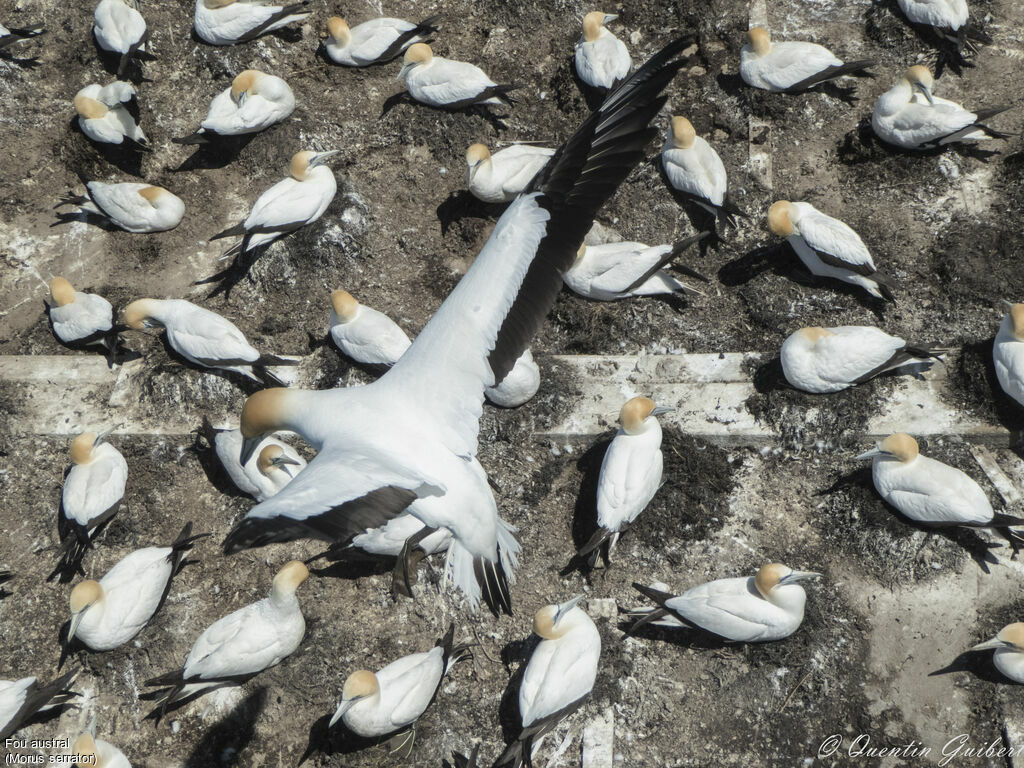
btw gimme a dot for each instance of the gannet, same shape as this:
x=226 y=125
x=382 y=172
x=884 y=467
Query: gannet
x=601 y=58
x=498 y=178
x=620 y=270
x=559 y=676
x=364 y=334
x=519 y=385
x=110 y=114
x=81 y=319
x=110 y=612
x=389 y=539
x=695 y=169
x=392 y=699
x=226 y=22
x=130 y=206
x=928 y=491
x=92 y=490
x=748 y=609
x=412 y=434
x=948 y=18
x=828 y=247
x=204 y=338
x=12 y=35
x=290 y=204
x=97 y=753
x=120 y=28
x=830 y=359
x=375 y=41
x=242 y=643
x=630 y=473
x=790 y=67
x=254 y=102
x=1008 y=352
x=909 y=116
x=1009 y=651
x=268 y=470
x=448 y=84
x=21 y=700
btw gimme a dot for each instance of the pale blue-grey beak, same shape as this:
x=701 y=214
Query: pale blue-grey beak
x=796 y=576
x=567 y=606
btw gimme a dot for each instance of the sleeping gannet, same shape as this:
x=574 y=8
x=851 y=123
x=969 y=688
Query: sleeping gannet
x=828 y=247
x=92 y=490
x=109 y=114
x=630 y=474
x=364 y=334
x=21 y=700
x=254 y=102
x=241 y=644
x=268 y=470
x=81 y=319
x=694 y=168
x=790 y=67
x=289 y=205
x=127 y=205
x=909 y=116
x=1008 y=352
x=519 y=385
x=928 y=491
x=498 y=178
x=831 y=359
x=204 y=338
x=446 y=83
x=97 y=753
x=412 y=434
x=12 y=35
x=120 y=28
x=613 y=271
x=1009 y=651
x=751 y=609
x=375 y=704
x=601 y=59
x=949 y=19
x=226 y=22
x=559 y=676
x=375 y=41
x=108 y=613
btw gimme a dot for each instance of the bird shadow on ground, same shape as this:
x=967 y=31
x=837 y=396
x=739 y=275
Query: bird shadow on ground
x=975 y=374
x=337 y=739
x=5 y=576
x=517 y=651
x=111 y=61
x=731 y=84
x=769 y=377
x=239 y=269
x=28 y=62
x=476 y=109
x=594 y=97
x=217 y=152
x=462 y=204
x=202 y=447
x=126 y=157
x=977 y=663
x=682 y=637
x=353 y=565
x=701 y=219
x=224 y=743
x=584 y=517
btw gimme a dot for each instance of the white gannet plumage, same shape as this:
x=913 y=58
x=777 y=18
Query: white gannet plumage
x=519 y=385
x=499 y=177
x=254 y=102
x=21 y=700
x=601 y=59
x=128 y=205
x=97 y=753
x=364 y=334
x=831 y=359
x=790 y=67
x=226 y=22
x=375 y=41
x=119 y=28
x=12 y=35
x=77 y=317
x=271 y=467
x=109 y=113
x=613 y=271
x=1008 y=645
x=446 y=83
x=1008 y=353
x=694 y=168
x=412 y=434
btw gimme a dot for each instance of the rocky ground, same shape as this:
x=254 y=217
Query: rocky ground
x=896 y=603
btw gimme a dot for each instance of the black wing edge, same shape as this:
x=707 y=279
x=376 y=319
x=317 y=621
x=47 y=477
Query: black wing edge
x=831 y=73
x=288 y=10
x=518 y=752
x=493 y=584
x=659 y=598
x=337 y=525
x=461 y=761
x=424 y=29
x=669 y=258
x=580 y=178
x=56 y=694
x=910 y=354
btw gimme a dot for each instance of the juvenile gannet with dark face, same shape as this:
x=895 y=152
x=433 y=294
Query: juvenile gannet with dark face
x=1008 y=352
x=831 y=359
x=1009 y=651
x=226 y=22
x=630 y=473
x=243 y=643
x=81 y=319
x=558 y=678
x=21 y=700
x=271 y=467
x=790 y=67
x=928 y=491
x=204 y=338
x=12 y=35
x=387 y=701
x=409 y=439
x=254 y=102
x=755 y=609
x=120 y=28
x=499 y=177
x=908 y=115
x=92 y=491
x=613 y=271
x=108 y=613
x=364 y=334
x=695 y=169
x=127 y=205
x=828 y=247
x=601 y=59
x=446 y=83
x=375 y=41
x=290 y=204
x=109 y=114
